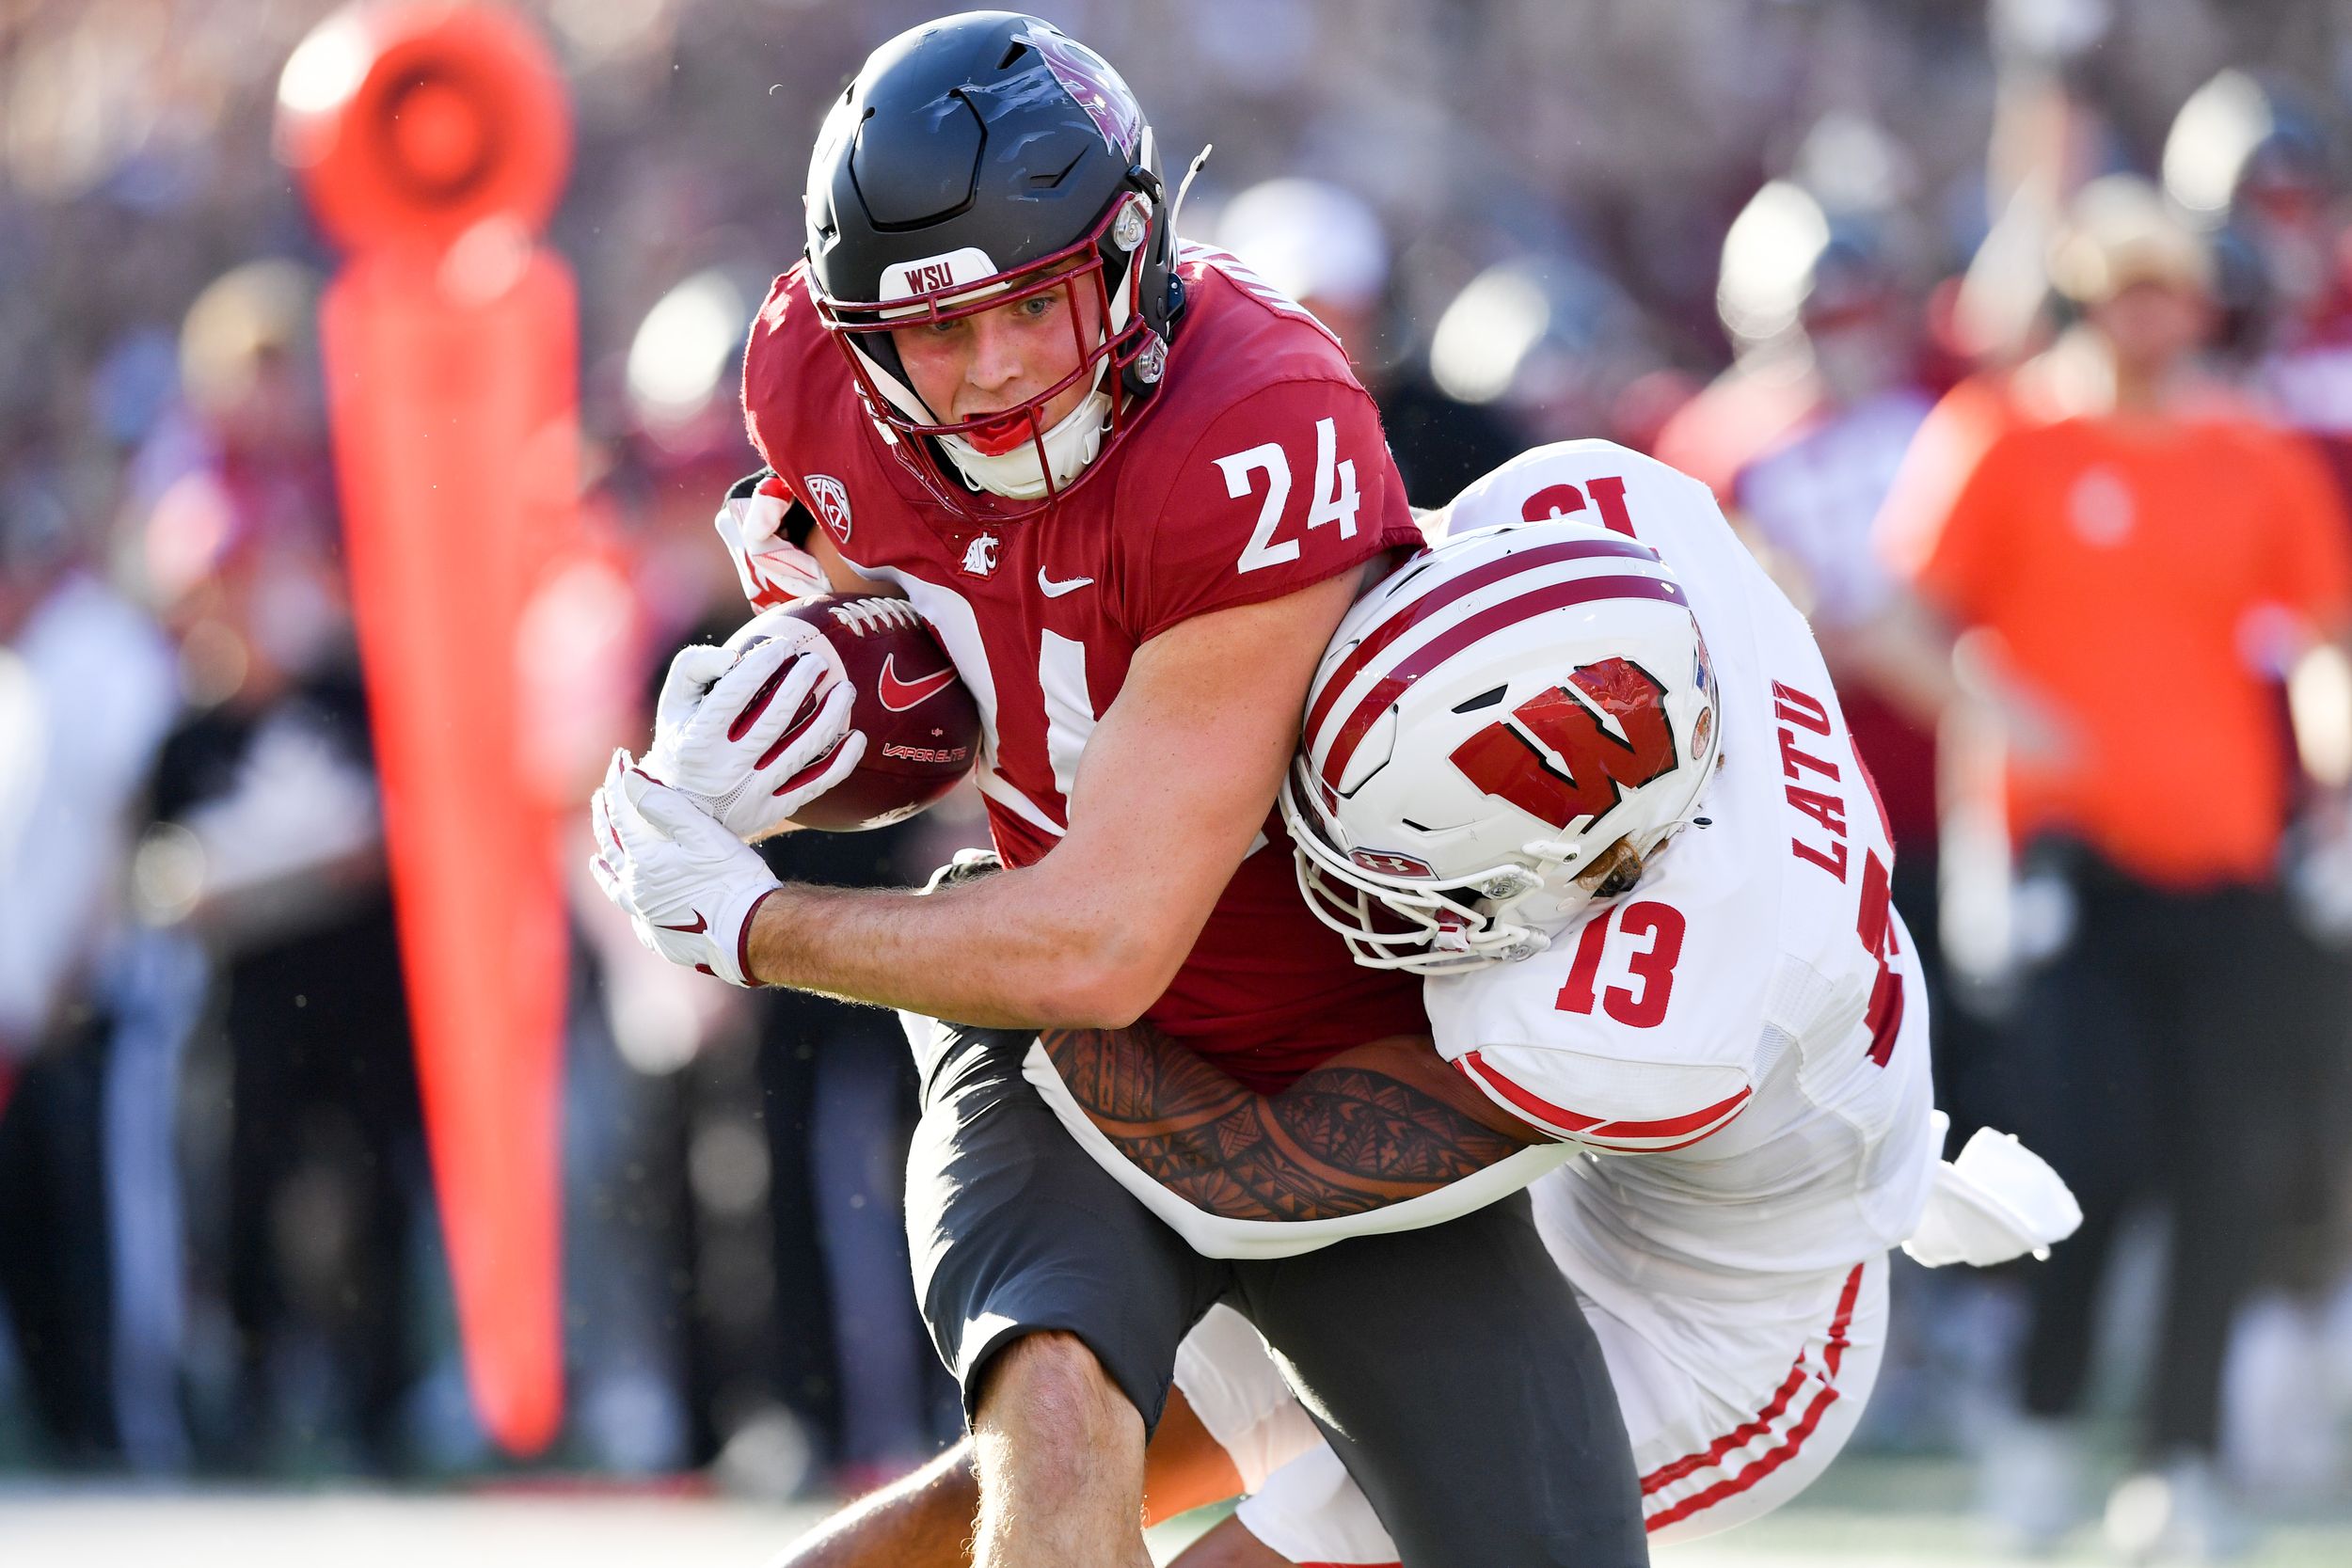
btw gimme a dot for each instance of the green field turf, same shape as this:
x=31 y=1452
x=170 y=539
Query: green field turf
x=1866 y=1514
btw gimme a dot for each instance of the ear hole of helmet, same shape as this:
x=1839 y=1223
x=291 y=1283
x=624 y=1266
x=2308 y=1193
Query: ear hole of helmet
x=1614 y=872
x=1392 y=923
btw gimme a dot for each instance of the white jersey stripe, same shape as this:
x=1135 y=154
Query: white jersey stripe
x=998 y=789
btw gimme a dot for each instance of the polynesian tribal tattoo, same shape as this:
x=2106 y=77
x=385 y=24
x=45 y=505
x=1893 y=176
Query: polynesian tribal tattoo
x=1343 y=1139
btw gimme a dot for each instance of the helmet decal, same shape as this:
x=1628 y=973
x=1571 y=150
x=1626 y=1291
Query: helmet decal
x=1468 y=633
x=931 y=274
x=1485 y=724
x=1390 y=864
x=1616 y=737
x=1098 y=90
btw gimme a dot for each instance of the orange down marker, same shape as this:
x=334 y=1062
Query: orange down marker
x=432 y=140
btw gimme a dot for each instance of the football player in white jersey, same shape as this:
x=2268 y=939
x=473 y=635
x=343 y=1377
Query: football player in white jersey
x=1580 y=765
x=1590 y=776
x=1593 y=781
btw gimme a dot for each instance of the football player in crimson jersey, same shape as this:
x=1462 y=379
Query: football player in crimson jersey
x=1134 y=489
x=1663 y=972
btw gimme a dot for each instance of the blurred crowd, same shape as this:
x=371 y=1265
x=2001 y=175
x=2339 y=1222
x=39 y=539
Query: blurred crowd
x=2016 y=338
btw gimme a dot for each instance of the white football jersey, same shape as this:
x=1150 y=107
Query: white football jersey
x=1750 y=1020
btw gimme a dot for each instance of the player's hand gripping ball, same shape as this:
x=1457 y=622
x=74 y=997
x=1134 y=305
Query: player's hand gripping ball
x=687 y=885
x=835 y=712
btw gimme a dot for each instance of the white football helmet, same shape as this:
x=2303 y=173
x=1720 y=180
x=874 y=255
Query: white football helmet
x=1487 y=723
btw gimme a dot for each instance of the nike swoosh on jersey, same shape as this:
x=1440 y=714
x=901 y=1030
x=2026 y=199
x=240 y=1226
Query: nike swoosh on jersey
x=1053 y=589
x=898 y=696
x=699 y=927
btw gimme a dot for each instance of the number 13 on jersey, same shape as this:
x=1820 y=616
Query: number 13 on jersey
x=1655 y=934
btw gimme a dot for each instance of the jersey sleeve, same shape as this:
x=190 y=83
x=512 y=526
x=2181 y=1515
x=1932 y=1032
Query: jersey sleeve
x=771 y=356
x=1286 y=487
x=1607 y=1100
x=1638 y=1031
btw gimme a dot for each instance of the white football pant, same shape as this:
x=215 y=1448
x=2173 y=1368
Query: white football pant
x=1733 y=1408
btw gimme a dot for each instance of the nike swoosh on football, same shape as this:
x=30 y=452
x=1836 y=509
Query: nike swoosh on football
x=699 y=927
x=1053 y=589
x=898 y=696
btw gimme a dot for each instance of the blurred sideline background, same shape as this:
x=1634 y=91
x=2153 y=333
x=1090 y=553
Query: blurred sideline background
x=1759 y=238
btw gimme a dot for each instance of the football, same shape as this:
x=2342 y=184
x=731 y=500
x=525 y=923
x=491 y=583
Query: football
x=921 y=727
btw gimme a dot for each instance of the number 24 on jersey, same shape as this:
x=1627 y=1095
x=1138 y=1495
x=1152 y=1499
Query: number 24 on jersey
x=1334 y=495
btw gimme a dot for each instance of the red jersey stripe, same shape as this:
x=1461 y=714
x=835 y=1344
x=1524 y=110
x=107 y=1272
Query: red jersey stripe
x=1740 y=1437
x=1536 y=601
x=1734 y=1485
x=1572 y=1122
x=1835 y=1350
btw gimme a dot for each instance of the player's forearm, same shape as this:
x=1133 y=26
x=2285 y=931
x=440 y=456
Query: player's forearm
x=1012 y=952
x=1352 y=1135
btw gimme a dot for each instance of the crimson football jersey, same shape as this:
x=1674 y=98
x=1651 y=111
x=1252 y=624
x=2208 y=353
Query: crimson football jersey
x=1258 y=468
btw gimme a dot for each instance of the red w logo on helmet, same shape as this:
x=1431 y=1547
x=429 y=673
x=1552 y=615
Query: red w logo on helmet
x=1600 y=767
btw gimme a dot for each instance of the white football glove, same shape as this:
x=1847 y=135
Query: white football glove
x=1997 y=1201
x=773 y=570
x=724 y=729
x=687 y=884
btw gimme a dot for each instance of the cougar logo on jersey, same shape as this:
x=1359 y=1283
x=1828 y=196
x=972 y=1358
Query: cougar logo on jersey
x=1617 y=738
x=833 y=505
x=979 y=557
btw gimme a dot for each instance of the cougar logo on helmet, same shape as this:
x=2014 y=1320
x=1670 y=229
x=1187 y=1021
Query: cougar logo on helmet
x=1089 y=78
